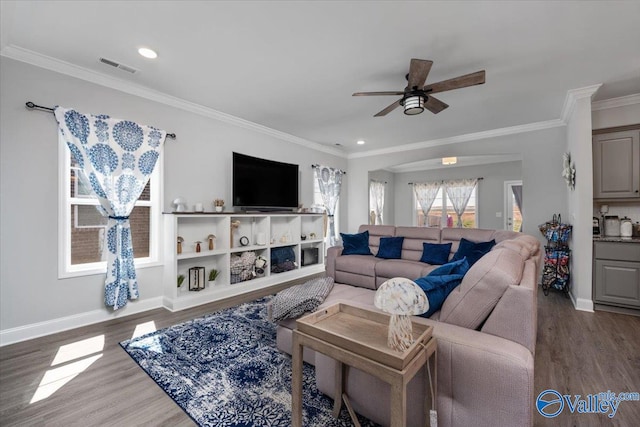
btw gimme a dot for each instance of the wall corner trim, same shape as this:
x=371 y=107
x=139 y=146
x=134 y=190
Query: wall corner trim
x=582 y=304
x=573 y=96
x=622 y=101
x=82 y=73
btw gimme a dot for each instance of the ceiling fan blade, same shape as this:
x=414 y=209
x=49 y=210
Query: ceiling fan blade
x=434 y=105
x=418 y=71
x=377 y=93
x=389 y=109
x=472 y=79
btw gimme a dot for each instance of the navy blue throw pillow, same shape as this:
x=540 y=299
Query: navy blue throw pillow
x=390 y=247
x=435 y=253
x=356 y=244
x=472 y=251
x=438 y=284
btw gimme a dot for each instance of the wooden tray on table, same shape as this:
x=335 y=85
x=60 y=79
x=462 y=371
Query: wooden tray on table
x=363 y=332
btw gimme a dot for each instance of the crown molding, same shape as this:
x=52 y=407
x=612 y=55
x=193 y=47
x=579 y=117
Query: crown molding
x=573 y=96
x=622 y=101
x=63 y=67
x=530 y=127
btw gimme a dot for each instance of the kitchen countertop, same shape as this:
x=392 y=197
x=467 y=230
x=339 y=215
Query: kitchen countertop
x=616 y=239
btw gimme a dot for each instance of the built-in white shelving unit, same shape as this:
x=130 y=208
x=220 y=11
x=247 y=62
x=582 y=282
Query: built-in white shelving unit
x=263 y=232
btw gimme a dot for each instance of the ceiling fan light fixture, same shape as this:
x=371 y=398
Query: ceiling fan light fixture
x=449 y=160
x=413 y=105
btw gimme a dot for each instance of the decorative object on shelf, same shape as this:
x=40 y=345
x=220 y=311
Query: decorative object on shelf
x=179 y=205
x=198 y=207
x=261 y=265
x=401 y=298
x=312 y=236
x=261 y=239
x=244 y=241
x=235 y=224
x=180 y=280
x=242 y=267
x=218 y=204
x=211 y=238
x=213 y=275
x=261 y=262
x=196 y=278
x=568 y=171
x=180 y=242
x=198 y=248
x=303 y=237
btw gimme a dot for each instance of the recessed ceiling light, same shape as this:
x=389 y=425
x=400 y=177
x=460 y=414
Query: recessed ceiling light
x=361 y=142
x=449 y=160
x=148 y=53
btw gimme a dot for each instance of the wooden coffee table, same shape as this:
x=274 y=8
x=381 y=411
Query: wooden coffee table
x=357 y=337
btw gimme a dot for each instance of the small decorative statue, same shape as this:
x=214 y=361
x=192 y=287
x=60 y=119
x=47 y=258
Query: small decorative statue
x=211 y=238
x=235 y=224
x=198 y=246
x=568 y=171
x=180 y=242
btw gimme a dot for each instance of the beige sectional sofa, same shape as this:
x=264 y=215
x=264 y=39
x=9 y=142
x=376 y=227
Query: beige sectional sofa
x=486 y=328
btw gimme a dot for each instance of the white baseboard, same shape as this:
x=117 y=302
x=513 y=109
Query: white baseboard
x=582 y=304
x=35 y=330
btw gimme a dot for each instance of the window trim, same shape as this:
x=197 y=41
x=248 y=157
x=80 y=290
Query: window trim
x=65 y=269
x=445 y=206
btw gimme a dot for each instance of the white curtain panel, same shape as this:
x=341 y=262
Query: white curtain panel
x=376 y=193
x=330 y=182
x=117 y=156
x=426 y=193
x=459 y=193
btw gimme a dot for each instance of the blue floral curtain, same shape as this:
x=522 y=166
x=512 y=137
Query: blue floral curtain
x=330 y=182
x=117 y=157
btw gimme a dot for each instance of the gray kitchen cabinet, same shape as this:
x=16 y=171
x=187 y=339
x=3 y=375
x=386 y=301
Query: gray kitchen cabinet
x=617 y=274
x=616 y=165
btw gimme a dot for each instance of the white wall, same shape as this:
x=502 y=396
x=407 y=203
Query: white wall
x=197 y=166
x=490 y=194
x=580 y=200
x=543 y=187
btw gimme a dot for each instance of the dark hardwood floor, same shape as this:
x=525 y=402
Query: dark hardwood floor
x=577 y=353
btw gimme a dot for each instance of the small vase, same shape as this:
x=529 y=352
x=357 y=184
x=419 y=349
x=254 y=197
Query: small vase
x=212 y=282
x=219 y=208
x=198 y=247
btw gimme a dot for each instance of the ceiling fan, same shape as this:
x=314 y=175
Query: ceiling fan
x=416 y=97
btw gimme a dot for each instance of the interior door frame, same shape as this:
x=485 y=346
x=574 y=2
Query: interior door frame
x=509 y=200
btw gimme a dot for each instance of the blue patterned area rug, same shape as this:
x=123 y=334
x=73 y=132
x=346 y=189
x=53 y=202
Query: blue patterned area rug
x=224 y=370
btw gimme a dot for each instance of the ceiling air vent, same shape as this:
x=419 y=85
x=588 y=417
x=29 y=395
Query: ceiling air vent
x=119 y=66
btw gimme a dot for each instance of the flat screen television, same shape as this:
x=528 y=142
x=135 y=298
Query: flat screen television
x=260 y=184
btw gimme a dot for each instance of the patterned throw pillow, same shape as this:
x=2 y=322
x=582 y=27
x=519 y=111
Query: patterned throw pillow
x=293 y=302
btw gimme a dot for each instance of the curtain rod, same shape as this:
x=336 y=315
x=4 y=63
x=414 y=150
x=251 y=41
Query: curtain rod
x=442 y=182
x=30 y=105
x=317 y=166
x=375 y=180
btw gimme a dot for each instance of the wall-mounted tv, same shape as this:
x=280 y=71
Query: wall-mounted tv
x=260 y=184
